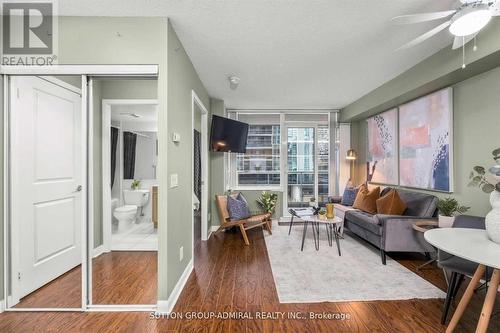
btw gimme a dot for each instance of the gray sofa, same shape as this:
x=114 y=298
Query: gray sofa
x=394 y=233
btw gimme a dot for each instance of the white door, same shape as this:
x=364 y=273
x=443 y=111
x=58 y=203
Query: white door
x=46 y=177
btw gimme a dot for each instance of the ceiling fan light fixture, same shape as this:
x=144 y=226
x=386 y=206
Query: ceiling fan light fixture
x=470 y=20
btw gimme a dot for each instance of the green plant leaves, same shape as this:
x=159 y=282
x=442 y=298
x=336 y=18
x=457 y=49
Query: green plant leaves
x=488 y=188
x=480 y=170
x=496 y=153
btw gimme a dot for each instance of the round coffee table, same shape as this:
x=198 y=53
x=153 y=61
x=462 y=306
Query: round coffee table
x=331 y=230
x=423 y=226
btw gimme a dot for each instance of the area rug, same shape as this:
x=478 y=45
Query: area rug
x=322 y=276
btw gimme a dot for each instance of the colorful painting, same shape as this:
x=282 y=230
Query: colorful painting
x=425 y=129
x=382 y=154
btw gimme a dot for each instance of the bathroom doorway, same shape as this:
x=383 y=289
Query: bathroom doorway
x=130 y=145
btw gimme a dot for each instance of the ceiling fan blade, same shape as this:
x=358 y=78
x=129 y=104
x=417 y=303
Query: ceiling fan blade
x=459 y=41
x=425 y=36
x=495 y=9
x=416 y=18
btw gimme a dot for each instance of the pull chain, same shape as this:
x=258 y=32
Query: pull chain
x=463 y=52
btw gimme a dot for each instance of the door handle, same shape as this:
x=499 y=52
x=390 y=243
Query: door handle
x=78 y=189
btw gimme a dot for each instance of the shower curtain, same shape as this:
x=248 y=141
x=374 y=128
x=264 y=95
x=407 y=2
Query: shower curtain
x=197 y=164
x=129 y=142
x=114 y=143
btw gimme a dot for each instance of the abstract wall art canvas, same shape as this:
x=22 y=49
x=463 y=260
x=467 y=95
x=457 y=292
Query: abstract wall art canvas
x=425 y=137
x=382 y=151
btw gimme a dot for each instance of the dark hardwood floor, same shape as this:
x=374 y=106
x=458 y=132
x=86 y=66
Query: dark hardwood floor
x=118 y=277
x=229 y=276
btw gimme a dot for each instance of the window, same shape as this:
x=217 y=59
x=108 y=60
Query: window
x=260 y=165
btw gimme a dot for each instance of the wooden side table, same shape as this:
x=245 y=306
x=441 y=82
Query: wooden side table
x=423 y=226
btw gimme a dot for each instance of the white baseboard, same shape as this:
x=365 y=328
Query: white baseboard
x=177 y=290
x=98 y=251
x=2 y=305
x=214 y=228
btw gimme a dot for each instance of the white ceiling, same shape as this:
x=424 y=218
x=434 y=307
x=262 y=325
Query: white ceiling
x=288 y=53
x=146 y=113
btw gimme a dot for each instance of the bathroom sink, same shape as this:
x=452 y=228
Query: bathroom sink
x=138 y=198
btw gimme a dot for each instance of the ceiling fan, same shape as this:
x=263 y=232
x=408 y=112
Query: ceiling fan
x=465 y=23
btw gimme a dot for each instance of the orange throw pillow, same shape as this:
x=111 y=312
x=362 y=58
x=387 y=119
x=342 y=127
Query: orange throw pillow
x=391 y=204
x=366 y=200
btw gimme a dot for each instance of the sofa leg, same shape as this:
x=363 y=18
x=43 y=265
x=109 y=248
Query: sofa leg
x=382 y=256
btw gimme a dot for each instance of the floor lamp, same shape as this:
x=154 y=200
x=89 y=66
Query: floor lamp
x=351 y=157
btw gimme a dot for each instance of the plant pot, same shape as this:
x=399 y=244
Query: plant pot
x=329 y=211
x=446 y=221
x=492 y=219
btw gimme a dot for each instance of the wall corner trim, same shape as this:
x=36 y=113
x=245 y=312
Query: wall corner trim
x=177 y=289
x=98 y=251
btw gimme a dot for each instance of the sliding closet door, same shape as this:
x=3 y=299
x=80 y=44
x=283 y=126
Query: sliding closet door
x=47 y=201
x=123 y=238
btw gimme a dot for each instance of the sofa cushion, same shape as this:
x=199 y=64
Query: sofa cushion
x=364 y=220
x=419 y=204
x=349 y=196
x=366 y=200
x=391 y=204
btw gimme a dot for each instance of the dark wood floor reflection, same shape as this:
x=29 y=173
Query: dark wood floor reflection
x=119 y=277
x=125 y=277
x=229 y=276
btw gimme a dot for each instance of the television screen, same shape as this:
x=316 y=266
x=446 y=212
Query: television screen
x=228 y=135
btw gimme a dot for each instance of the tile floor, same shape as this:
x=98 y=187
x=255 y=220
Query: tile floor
x=140 y=237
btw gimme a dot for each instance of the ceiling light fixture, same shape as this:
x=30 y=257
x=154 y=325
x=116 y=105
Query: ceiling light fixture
x=470 y=20
x=234 y=81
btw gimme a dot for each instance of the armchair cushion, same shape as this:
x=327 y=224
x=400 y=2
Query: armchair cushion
x=237 y=207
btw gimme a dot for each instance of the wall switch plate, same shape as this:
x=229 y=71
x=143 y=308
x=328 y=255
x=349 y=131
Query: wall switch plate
x=176 y=137
x=174 y=180
x=181 y=253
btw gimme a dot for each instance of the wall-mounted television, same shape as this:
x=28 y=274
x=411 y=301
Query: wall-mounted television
x=228 y=135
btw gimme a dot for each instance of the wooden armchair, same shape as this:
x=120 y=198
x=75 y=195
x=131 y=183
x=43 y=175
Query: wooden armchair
x=254 y=221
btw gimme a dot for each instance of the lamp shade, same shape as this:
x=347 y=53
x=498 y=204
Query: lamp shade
x=351 y=154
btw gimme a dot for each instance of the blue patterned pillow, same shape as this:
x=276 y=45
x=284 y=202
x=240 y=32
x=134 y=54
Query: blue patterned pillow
x=349 y=196
x=237 y=208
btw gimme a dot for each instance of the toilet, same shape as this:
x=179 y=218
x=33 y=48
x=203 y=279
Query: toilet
x=128 y=214
x=125 y=215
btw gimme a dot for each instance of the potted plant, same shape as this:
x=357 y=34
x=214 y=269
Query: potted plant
x=135 y=184
x=268 y=201
x=448 y=208
x=322 y=214
x=478 y=179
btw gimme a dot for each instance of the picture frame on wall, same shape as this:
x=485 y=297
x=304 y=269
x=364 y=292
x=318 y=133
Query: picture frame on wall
x=426 y=142
x=382 y=148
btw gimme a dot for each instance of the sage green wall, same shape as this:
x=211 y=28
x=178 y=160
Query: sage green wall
x=1 y=193
x=252 y=196
x=437 y=71
x=182 y=79
x=217 y=165
x=97 y=162
x=476 y=123
x=126 y=40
